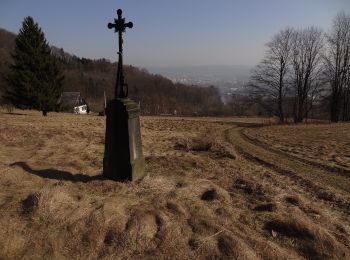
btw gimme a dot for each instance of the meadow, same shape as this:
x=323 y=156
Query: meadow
x=230 y=188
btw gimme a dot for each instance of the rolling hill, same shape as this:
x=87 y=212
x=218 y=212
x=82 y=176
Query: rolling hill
x=156 y=94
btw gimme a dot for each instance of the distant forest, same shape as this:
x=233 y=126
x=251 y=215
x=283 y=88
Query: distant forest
x=156 y=94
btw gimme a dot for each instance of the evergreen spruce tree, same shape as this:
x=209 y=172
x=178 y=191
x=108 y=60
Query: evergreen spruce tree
x=35 y=79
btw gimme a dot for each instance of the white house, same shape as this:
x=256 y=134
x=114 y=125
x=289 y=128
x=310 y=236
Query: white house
x=81 y=109
x=73 y=102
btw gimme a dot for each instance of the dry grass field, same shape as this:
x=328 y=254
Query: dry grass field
x=216 y=188
x=327 y=144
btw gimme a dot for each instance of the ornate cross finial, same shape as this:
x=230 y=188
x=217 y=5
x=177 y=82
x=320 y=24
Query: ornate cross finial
x=119 y=26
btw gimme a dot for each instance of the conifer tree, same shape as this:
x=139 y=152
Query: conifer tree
x=35 y=79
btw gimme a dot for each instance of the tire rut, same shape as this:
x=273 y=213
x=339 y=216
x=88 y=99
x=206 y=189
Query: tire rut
x=334 y=169
x=283 y=165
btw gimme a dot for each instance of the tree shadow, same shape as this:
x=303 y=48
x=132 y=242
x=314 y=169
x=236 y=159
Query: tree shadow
x=14 y=114
x=57 y=174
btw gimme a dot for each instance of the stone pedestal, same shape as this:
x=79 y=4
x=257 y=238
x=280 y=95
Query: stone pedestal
x=123 y=159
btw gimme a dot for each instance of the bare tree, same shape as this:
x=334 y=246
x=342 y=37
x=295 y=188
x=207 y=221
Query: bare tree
x=346 y=98
x=338 y=66
x=268 y=78
x=306 y=63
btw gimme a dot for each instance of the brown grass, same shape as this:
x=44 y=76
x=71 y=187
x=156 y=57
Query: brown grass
x=327 y=144
x=200 y=200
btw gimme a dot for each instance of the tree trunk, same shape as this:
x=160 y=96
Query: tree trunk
x=346 y=105
x=335 y=107
x=298 y=109
x=44 y=113
x=280 y=108
x=280 y=101
x=295 y=110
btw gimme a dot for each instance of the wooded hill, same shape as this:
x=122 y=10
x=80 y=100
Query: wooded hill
x=156 y=94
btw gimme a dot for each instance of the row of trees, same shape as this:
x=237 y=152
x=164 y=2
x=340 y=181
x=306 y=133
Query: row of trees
x=337 y=68
x=305 y=67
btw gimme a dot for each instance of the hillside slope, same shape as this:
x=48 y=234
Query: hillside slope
x=156 y=94
x=210 y=193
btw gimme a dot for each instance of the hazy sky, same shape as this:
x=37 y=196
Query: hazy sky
x=169 y=32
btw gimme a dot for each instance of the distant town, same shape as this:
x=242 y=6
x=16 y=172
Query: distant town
x=229 y=79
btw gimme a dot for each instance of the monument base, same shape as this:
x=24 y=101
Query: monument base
x=123 y=159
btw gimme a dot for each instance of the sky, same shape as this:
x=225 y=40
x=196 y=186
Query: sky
x=168 y=32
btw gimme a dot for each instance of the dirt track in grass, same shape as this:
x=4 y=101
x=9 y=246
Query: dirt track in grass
x=325 y=144
x=211 y=193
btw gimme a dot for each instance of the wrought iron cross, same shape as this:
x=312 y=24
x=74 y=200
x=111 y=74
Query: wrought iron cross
x=119 y=26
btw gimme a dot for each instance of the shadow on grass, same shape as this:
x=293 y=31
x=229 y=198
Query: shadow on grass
x=248 y=125
x=57 y=174
x=14 y=114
